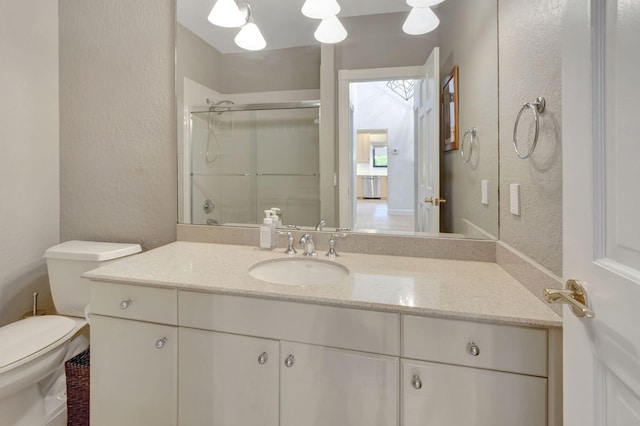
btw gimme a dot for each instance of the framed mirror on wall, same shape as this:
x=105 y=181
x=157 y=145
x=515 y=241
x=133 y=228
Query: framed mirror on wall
x=449 y=111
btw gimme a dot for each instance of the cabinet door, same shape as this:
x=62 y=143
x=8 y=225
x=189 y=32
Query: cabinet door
x=227 y=380
x=364 y=148
x=134 y=368
x=325 y=386
x=440 y=394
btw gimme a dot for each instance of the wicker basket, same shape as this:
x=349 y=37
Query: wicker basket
x=77 y=371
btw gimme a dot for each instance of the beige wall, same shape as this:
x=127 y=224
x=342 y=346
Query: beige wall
x=196 y=60
x=468 y=36
x=530 y=63
x=118 y=178
x=296 y=68
x=29 y=172
x=377 y=41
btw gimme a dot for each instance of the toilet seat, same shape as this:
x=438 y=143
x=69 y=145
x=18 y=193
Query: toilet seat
x=27 y=339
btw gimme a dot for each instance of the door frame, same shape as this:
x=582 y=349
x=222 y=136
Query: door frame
x=345 y=77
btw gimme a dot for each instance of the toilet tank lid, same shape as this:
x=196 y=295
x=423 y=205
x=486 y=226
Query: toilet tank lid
x=24 y=338
x=91 y=250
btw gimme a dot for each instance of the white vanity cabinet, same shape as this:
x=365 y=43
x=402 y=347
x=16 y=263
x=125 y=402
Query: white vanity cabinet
x=166 y=357
x=328 y=386
x=324 y=373
x=227 y=379
x=134 y=368
x=462 y=372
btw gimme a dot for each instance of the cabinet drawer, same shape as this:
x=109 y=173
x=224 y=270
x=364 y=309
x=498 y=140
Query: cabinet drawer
x=439 y=394
x=135 y=302
x=506 y=348
x=346 y=328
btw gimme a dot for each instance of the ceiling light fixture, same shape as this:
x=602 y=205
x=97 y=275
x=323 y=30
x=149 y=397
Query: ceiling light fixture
x=421 y=20
x=423 y=3
x=250 y=37
x=330 y=31
x=320 y=9
x=228 y=14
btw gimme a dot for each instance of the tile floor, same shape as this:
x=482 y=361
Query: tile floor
x=373 y=214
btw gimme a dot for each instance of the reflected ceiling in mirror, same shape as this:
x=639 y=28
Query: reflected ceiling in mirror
x=211 y=69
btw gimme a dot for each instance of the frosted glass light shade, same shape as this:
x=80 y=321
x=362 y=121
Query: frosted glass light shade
x=227 y=14
x=421 y=20
x=250 y=38
x=320 y=9
x=423 y=3
x=330 y=31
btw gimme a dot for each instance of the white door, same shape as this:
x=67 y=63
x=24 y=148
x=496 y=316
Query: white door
x=601 y=164
x=427 y=150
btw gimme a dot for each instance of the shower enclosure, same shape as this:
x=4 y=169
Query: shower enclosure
x=249 y=158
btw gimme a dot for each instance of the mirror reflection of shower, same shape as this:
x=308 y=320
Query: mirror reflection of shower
x=212 y=137
x=249 y=158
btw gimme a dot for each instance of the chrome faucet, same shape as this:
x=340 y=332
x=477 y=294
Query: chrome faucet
x=320 y=225
x=309 y=248
x=332 y=254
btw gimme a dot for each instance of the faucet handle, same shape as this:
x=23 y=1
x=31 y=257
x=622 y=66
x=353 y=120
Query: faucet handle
x=332 y=254
x=290 y=249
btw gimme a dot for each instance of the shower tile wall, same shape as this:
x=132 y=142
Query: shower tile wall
x=266 y=159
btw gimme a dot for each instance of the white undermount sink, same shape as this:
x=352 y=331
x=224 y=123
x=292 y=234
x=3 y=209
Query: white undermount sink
x=298 y=271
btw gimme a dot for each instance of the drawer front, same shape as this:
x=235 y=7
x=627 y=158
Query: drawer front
x=135 y=302
x=346 y=328
x=439 y=394
x=496 y=347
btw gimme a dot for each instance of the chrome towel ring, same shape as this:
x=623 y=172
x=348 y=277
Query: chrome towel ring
x=471 y=132
x=537 y=107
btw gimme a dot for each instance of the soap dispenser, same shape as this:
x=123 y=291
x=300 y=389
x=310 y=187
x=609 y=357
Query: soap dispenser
x=277 y=216
x=267 y=239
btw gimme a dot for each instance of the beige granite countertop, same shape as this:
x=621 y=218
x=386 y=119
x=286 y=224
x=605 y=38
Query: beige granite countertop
x=445 y=288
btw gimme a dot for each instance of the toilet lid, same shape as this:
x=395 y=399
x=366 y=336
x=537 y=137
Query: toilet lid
x=26 y=337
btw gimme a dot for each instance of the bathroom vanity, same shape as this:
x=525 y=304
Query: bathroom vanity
x=184 y=335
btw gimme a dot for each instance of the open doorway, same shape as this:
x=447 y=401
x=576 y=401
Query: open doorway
x=383 y=129
x=368 y=104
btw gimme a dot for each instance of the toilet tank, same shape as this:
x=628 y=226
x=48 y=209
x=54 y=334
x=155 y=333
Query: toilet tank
x=66 y=263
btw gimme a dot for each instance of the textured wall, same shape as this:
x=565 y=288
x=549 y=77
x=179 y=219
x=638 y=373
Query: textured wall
x=117 y=121
x=29 y=173
x=530 y=67
x=468 y=36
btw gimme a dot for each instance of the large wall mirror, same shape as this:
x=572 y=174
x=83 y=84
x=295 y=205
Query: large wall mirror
x=339 y=133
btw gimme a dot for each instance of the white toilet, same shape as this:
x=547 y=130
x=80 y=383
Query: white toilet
x=34 y=349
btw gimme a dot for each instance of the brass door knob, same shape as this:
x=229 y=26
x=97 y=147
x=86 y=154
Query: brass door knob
x=435 y=201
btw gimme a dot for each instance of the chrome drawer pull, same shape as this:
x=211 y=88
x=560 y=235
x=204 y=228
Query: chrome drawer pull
x=289 y=361
x=161 y=342
x=473 y=349
x=262 y=359
x=125 y=304
x=416 y=382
